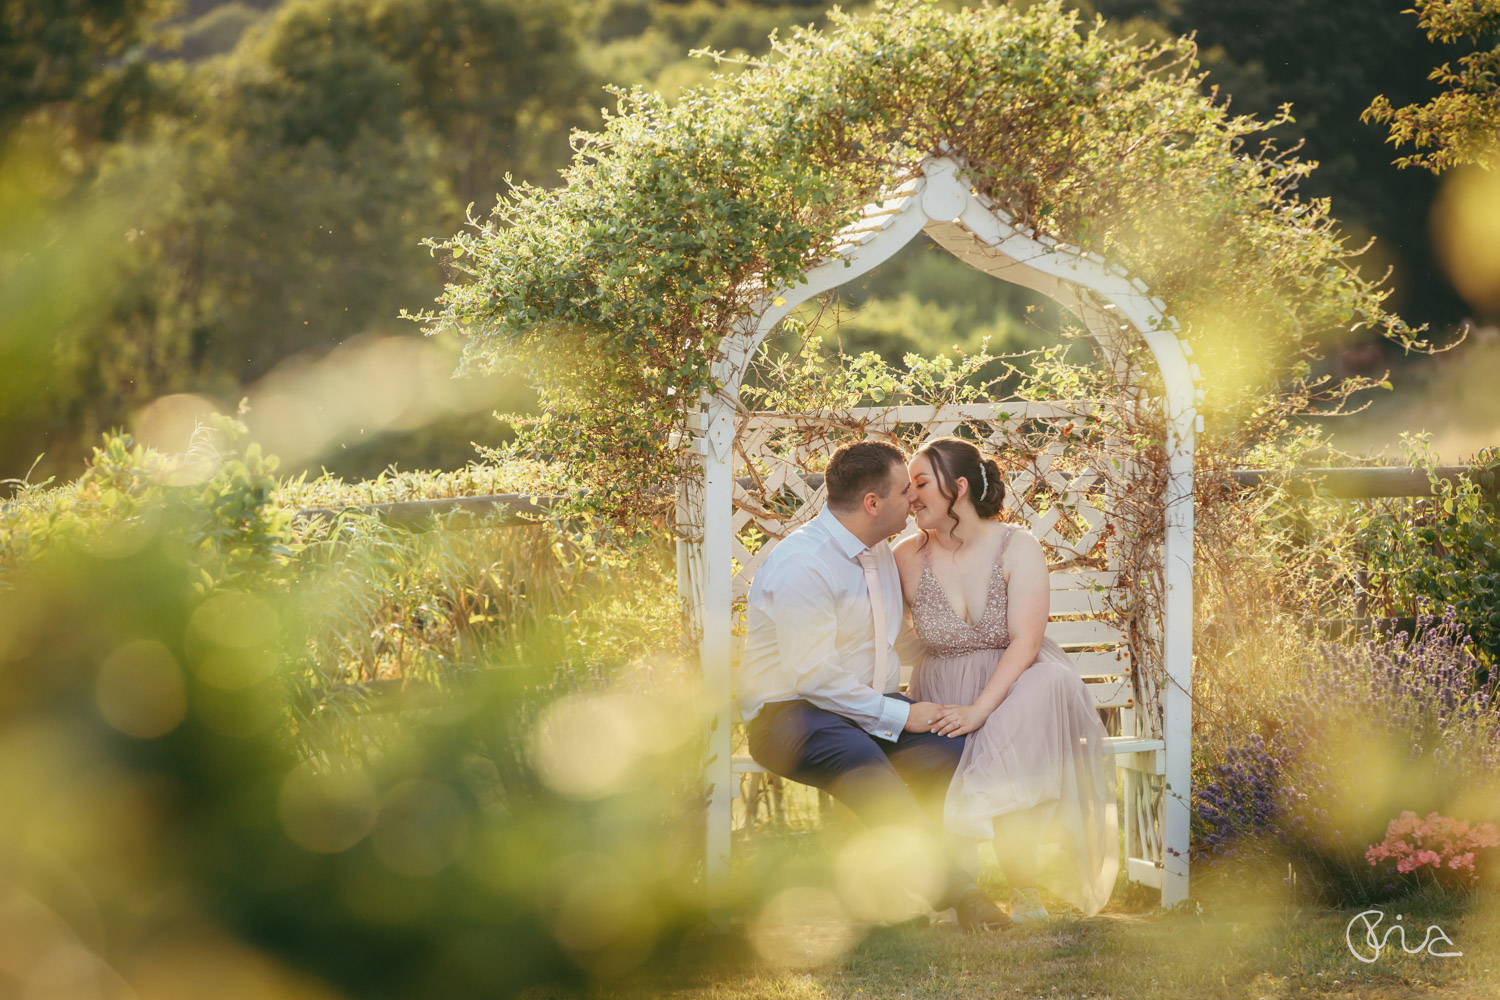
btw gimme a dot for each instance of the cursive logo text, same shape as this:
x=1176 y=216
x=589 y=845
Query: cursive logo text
x=1368 y=947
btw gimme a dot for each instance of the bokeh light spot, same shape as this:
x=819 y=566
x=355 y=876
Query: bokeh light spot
x=241 y=621
x=583 y=745
x=231 y=669
x=1466 y=229
x=140 y=690
x=423 y=827
x=884 y=874
x=327 y=810
x=602 y=917
x=803 y=927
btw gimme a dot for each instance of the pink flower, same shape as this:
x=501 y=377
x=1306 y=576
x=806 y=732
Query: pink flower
x=1434 y=843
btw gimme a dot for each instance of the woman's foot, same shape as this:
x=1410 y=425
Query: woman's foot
x=1025 y=905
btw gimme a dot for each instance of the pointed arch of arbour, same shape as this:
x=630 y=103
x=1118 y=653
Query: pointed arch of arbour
x=1117 y=310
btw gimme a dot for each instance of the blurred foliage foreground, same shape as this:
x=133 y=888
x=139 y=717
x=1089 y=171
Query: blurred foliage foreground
x=205 y=789
x=199 y=801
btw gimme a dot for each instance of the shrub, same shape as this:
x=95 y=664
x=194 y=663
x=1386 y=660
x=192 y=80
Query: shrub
x=1387 y=722
x=489 y=846
x=1445 y=552
x=218 y=499
x=1234 y=799
x=615 y=291
x=180 y=664
x=1438 y=848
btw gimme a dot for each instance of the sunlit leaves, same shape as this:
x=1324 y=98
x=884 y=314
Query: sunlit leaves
x=1459 y=126
x=675 y=214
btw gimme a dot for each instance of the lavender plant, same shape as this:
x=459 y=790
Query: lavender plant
x=1390 y=722
x=1234 y=800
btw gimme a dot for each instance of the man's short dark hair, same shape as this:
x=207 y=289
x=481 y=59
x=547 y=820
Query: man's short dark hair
x=858 y=469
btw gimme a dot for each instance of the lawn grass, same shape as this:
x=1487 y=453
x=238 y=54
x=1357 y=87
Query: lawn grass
x=1241 y=945
x=1247 y=934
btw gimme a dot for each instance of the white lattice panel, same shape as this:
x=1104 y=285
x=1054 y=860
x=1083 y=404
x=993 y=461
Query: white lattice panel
x=780 y=457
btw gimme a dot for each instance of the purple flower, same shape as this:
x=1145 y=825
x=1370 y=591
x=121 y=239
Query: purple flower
x=1425 y=691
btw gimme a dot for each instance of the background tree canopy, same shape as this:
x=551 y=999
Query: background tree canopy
x=194 y=194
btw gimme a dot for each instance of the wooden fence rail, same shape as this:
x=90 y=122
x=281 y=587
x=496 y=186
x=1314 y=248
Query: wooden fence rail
x=1355 y=484
x=518 y=508
x=514 y=508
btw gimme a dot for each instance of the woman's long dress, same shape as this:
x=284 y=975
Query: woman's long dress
x=1042 y=750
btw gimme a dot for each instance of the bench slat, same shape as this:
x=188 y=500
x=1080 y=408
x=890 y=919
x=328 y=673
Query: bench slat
x=1079 y=602
x=1081 y=580
x=1071 y=635
x=1117 y=745
x=1133 y=744
x=1111 y=694
x=1102 y=662
x=1143 y=872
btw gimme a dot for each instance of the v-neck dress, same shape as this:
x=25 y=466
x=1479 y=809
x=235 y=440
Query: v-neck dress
x=1040 y=753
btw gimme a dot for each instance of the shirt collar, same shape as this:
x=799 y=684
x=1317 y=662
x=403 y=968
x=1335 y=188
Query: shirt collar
x=846 y=540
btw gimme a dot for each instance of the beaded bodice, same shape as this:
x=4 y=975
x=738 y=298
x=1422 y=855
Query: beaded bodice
x=940 y=627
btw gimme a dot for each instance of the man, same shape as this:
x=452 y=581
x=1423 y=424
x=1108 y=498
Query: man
x=818 y=685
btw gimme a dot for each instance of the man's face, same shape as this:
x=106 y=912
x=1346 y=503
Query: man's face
x=897 y=503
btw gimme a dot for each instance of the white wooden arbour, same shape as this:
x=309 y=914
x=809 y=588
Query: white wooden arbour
x=1118 y=312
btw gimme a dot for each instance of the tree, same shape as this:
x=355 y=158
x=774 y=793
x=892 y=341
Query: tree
x=1462 y=124
x=289 y=191
x=85 y=56
x=1325 y=58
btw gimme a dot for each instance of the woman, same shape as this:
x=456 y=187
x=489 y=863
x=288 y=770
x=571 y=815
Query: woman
x=1034 y=764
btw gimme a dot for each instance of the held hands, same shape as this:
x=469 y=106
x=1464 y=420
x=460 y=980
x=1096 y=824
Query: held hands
x=923 y=717
x=958 y=720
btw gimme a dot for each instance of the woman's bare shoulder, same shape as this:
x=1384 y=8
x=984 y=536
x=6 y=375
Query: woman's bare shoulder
x=906 y=549
x=1019 y=540
x=1021 y=532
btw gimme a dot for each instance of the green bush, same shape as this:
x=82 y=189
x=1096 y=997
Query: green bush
x=194 y=737
x=1443 y=552
x=614 y=292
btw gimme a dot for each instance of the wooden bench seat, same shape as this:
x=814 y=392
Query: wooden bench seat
x=1079 y=622
x=1118 y=745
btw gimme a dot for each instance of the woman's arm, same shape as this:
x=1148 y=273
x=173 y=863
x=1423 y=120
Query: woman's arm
x=1029 y=600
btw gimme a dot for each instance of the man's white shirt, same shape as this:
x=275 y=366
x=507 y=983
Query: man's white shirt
x=811 y=634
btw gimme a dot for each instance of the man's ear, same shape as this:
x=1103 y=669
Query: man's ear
x=872 y=503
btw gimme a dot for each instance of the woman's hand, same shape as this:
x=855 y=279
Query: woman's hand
x=959 y=720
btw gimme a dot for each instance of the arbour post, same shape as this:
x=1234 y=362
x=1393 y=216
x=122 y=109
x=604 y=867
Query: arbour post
x=714 y=650
x=1177 y=657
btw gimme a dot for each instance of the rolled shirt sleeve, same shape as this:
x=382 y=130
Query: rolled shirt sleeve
x=801 y=608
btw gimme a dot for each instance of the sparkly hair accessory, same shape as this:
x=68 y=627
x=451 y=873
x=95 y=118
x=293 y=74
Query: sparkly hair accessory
x=984 y=479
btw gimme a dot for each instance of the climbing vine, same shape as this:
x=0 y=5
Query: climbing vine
x=613 y=291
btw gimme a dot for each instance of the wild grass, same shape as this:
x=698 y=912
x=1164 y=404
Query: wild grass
x=498 y=474
x=369 y=607
x=1241 y=945
x=387 y=607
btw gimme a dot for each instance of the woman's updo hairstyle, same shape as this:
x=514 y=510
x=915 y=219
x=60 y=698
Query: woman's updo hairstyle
x=953 y=459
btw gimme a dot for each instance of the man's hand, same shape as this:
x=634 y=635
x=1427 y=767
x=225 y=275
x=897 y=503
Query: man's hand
x=922 y=716
x=959 y=720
